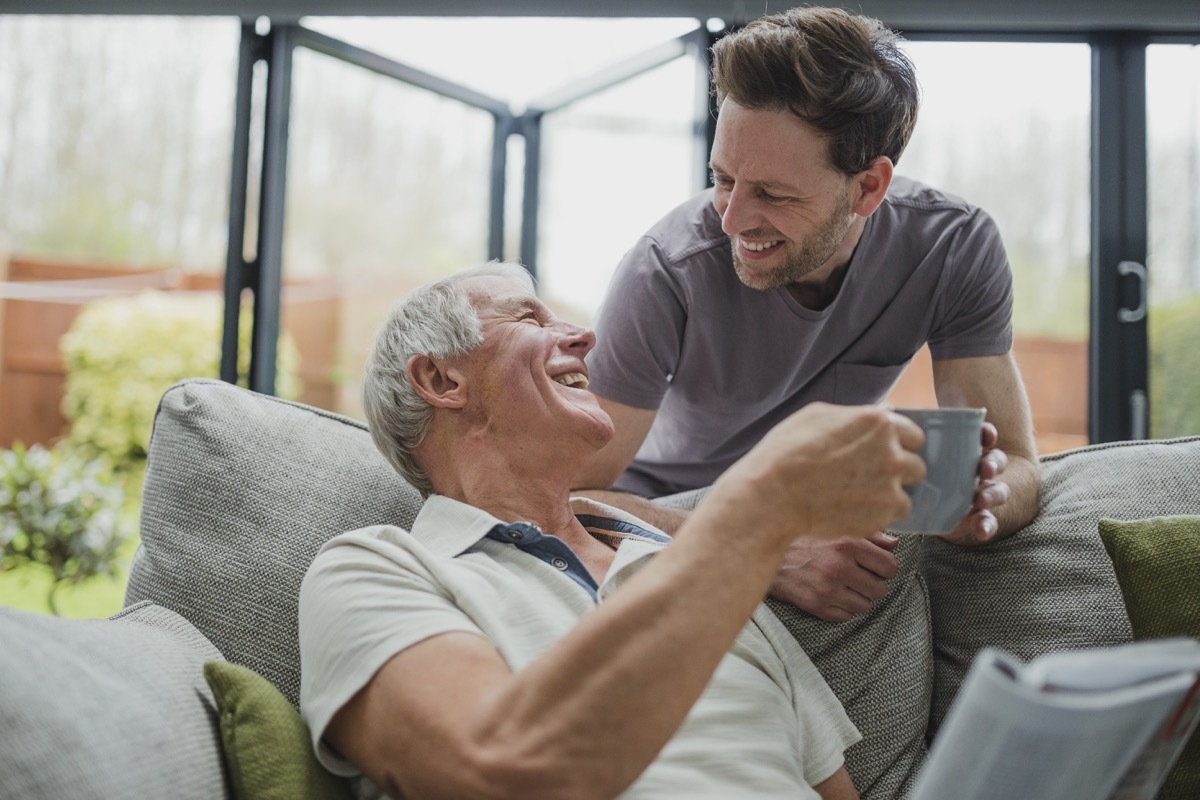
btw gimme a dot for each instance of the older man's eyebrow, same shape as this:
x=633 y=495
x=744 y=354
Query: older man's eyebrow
x=517 y=305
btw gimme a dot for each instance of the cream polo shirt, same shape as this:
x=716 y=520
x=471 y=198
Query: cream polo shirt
x=767 y=726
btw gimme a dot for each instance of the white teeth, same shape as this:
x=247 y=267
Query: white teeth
x=573 y=379
x=757 y=247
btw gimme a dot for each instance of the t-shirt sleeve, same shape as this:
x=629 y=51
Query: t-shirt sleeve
x=974 y=313
x=639 y=330
x=352 y=600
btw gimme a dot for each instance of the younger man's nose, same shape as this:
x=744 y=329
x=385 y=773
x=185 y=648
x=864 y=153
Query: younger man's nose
x=737 y=213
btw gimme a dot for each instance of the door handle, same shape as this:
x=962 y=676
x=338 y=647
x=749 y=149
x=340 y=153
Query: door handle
x=1138 y=312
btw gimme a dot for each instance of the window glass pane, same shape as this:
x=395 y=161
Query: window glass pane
x=115 y=136
x=515 y=59
x=387 y=189
x=115 y=139
x=1006 y=126
x=389 y=185
x=1173 y=120
x=612 y=165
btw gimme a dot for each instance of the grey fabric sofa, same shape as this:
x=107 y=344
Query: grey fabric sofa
x=242 y=490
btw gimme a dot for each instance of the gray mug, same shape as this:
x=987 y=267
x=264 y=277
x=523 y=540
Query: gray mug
x=953 y=447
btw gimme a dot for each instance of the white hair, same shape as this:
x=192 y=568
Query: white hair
x=435 y=320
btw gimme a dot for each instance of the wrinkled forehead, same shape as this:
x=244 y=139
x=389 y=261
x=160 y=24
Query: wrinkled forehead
x=491 y=294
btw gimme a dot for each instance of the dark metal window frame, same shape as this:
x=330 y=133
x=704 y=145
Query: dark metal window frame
x=1118 y=362
x=1118 y=358
x=262 y=275
x=1118 y=400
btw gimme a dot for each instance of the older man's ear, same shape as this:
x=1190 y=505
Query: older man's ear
x=441 y=385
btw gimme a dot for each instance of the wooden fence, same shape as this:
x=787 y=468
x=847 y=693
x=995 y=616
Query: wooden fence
x=33 y=320
x=1056 y=378
x=32 y=378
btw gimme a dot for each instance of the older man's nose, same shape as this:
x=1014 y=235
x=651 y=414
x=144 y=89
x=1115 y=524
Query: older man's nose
x=578 y=338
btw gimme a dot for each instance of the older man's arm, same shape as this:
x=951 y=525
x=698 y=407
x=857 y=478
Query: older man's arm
x=832 y=580
x=448 y=718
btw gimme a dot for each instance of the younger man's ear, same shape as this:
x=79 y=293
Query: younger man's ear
x=438 y=383
x=871 y=186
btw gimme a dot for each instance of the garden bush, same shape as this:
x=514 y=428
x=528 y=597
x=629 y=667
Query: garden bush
x=61 y=512
x=122 y=353
x=1175 y=368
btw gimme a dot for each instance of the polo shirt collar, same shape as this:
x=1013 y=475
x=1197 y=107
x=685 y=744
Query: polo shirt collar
x=449 y=527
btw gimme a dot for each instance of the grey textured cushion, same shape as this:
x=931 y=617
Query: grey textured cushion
x=113 y=708
x=241 y=491
x=879 y=665
x=1051 y=585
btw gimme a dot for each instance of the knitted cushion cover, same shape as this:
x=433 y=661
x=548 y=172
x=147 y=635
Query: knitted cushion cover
x=267 y=746
x=1051 y=586
x=107 y=708
x=241 y=491
x=1157 y=562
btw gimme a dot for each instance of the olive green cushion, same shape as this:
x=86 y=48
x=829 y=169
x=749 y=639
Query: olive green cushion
x=1157 y=562
x=267 y=746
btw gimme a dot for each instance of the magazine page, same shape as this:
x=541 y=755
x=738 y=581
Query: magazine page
x=1148 y=772
x=1111 y=667
x=1004 y=738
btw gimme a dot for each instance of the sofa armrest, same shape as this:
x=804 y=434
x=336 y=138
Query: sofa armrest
x=107 y=708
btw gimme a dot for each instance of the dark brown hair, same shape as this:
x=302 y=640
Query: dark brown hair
x=842 y=73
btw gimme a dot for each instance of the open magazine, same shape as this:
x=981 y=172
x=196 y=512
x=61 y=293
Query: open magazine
x=1100 y=724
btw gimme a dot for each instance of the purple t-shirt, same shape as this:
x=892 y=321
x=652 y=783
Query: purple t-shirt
x=724 y=363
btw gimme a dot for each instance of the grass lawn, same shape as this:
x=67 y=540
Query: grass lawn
x=26 y=588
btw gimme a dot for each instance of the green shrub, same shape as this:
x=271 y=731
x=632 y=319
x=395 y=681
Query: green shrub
x=1175 y=368
x=122 y=353
x=61 y=512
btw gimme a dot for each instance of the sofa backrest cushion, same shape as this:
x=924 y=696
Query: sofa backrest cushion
x=241 y=491
x=112 y=708
x=1052 y=586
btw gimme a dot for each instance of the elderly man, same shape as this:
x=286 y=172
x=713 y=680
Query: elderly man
x=518 y=643
x=807 y=274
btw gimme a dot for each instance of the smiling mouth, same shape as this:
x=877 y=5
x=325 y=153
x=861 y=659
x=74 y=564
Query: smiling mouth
x=758 y=247
x=576 y=379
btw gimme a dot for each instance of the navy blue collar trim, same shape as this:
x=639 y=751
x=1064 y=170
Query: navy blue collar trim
x=549 y=549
